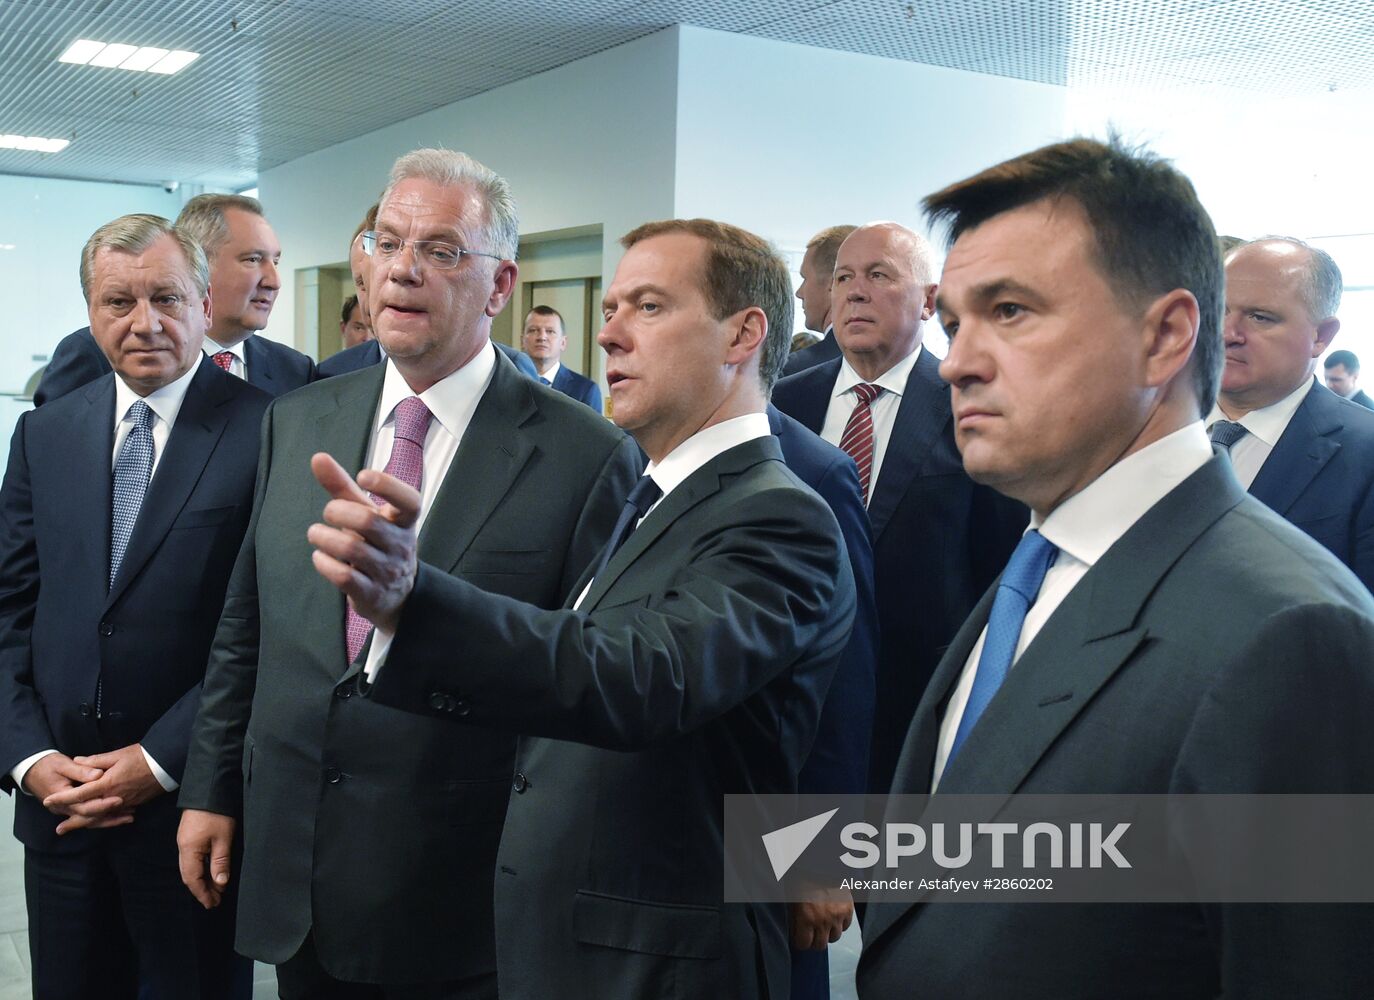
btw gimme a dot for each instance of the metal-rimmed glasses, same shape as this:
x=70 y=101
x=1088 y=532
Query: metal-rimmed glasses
x=436 y=253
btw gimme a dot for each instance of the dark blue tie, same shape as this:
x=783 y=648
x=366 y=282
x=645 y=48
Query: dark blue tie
x=132 y=470
x=545 y=381
x=1226 y=433
x=1016 y=593
x=644 y=495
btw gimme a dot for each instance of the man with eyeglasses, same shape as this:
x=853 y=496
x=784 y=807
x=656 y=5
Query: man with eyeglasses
x=370 y=834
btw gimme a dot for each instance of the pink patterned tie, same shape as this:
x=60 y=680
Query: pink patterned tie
x=225 y=360
x=407 y=463
x=857 y=440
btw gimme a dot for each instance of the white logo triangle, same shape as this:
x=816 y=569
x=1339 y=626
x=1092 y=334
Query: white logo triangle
x=785 y=845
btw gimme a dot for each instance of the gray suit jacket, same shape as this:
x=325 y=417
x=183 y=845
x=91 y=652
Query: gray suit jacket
x=1182 y=662
x=695 y=668
x=378 y=828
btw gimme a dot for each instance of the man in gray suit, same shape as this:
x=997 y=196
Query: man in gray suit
x=370 y=834
x=1155 y=627
x=689 y=662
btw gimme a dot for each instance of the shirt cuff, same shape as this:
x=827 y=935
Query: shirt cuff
x=376 y=654
x=22 y=769
x=168 y=783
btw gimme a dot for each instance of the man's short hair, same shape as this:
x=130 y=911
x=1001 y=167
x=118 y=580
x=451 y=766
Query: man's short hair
x=742 y=270
x=203 y=218
x=548 y=311
x=369 y=222
x=825 y=246
x=1346 y=358
x=135 y=234
x=1151 y=233
x=450 y=168
x=1322 y=283
x=349 y=305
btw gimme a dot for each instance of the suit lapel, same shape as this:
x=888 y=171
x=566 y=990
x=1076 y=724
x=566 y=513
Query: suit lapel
x=199 y=425
x=91 y=480
x=488 y=460
x=922 y=415
x=813 y=397
x=1302 y=451
x=259 y=360
x=1090 y=637
x=561 y=380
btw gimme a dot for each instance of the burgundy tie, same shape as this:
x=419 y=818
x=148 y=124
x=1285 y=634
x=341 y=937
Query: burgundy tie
x=407 y=463
x=857 y=441
x=225 y=359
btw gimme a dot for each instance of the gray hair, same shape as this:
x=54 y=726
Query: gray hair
x=450 y=168
x=135 y=234
x=1321 y=282
x=203 y=218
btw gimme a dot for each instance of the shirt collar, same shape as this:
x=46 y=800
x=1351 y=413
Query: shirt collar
x=1092 y=520
x=452 y=399
x=552 y=373
x=705 y=445
x=893 y=380
x=211 y=349
x=165 y=402
x=1269 y=422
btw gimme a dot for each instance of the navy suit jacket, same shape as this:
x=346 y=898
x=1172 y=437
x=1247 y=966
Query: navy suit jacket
x=1363 y=399
x=579 y=387
x=78 y=360
x=369 y=353
x=938 y=541
x=146 y=638
x=817 y=354
x=1320 y=477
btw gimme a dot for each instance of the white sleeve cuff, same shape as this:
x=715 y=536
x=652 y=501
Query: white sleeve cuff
x=168 y=783
x=376 y=654
x=21 y=769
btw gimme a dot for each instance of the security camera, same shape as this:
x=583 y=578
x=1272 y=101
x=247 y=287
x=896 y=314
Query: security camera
x=171 y=186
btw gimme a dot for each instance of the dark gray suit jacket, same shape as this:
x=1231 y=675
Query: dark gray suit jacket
x=379 y=828
x=694 y=668
x=1184 y=661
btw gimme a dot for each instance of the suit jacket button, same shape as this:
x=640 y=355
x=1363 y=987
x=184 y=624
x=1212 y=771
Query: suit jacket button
x=461 y=707
x=521 y=782
x=106 y=628
x=84 y=710
x=440 y=702
x=344 y=690
x=333 y=775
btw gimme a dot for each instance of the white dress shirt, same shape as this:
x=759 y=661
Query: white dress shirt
x=883 y=409
x=452 y=400
x=239 y=365
x=1266 y=425
x=165 y=404
x=692 y=454
x=551 y=374
x=1083 y=528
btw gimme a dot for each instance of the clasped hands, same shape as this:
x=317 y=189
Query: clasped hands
x=94 y=792
x=367 y=551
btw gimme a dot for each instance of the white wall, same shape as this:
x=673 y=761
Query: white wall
x=47 y=222
x=590 y=142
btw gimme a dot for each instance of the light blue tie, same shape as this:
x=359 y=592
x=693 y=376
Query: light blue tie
x=132 y=470
x=545 y=381
x=1016 y=593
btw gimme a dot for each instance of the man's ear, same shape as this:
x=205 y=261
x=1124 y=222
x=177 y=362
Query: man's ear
x=1326 y=332
x=749 y=328
x=502 y=284
x=1170 y=331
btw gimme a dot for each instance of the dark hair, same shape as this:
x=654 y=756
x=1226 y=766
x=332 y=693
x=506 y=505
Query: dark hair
x=548 y=311
x=1347 y=358
x=1152 y=235
x=742 y=270
x=203 y=218
x=349 y=305
x=826 y=245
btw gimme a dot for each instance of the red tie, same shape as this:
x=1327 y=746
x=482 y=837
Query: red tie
x=224 y=359
x=407 y=463
x=857 y=441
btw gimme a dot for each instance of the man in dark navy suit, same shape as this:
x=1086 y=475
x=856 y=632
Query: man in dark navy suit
x=123 y=508
x=938 y=539
x=814 y=292
x=1343 y=377
x=1295 y=444
x=545 y=340
x=244 y=254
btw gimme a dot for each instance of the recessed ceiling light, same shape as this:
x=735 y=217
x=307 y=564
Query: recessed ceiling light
x=146 y=58
x=33 y=143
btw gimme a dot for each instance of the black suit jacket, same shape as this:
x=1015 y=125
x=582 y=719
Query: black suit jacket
x=369 y=353
x=579 y=387
x=376 y=827
x=695 y=667
x=1363 y=399
x=1320 y=476
x=826 y=349
x=938 y=540
x=145 y=639
x=78 y=360
x=1182 y=662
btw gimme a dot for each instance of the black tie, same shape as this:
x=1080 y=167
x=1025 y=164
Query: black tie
x=644 y=495
x=1226 y=433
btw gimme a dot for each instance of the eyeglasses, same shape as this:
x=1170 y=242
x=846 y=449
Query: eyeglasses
x=437 y=254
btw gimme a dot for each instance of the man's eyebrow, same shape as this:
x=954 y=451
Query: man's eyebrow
x=637 y=292
x=990 y=291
